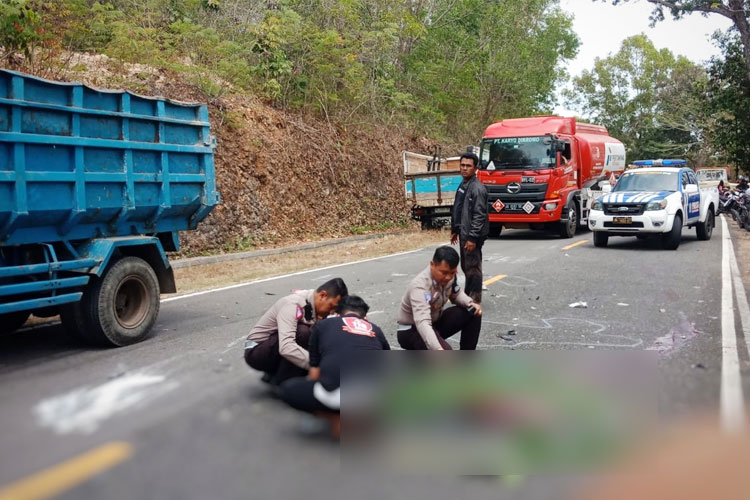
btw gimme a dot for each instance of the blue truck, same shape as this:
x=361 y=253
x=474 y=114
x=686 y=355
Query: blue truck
x=94 y=187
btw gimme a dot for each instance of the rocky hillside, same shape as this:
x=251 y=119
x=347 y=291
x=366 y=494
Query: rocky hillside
x=283 y=177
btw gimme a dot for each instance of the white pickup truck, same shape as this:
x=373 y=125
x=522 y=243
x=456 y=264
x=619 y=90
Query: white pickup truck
x=657 y=202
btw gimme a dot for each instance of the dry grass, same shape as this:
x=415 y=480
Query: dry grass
x=192 y=279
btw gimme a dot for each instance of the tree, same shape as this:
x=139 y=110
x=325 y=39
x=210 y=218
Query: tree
x=738 y=11
x=485 y=60
x=647 y=98
x=728 y=101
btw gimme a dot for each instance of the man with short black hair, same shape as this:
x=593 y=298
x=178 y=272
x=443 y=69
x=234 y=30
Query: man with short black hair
x=470 y=224
x=277 y=344
x=422 y=322
x=332 y=342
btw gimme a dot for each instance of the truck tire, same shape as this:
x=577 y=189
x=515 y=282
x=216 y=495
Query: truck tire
x=120 y=307
x=568 y=227
x=704 y=229
x=600 y=239
x=671 y=240
x=10 y=322
x=495 y=230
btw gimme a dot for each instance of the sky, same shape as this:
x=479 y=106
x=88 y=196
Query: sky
x=602 y=27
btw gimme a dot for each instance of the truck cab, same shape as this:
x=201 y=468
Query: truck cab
x=541 y=172
x=657 y=199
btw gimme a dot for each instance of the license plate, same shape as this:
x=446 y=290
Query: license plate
x=622 y=220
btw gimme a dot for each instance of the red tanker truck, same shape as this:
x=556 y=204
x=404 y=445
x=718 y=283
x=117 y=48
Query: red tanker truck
x=544 y=172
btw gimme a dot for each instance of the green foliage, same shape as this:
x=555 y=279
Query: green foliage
x=446 y=67
x=20 y=28
x=728 y=101
x=647 y=98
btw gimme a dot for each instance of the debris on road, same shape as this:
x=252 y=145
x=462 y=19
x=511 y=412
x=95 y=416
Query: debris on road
x=579 y=305
x=623 y=304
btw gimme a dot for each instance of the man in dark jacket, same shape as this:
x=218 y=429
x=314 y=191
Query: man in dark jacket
x=470 y=224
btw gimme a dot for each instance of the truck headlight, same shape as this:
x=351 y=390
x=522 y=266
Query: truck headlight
x=597 y=206
x=657 y=205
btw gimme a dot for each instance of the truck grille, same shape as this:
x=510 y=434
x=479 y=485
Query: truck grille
x=624 y=208
x=528 y=192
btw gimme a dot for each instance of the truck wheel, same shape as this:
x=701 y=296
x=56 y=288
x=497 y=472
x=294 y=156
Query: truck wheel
x=600 y=239
x=10 y=322
x=495 y=230
x=120 y=307
x=671 y=240
x=704 y=229
x=568 y=228
x=426 y=224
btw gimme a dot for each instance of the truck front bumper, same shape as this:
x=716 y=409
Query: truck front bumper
x=653 y=221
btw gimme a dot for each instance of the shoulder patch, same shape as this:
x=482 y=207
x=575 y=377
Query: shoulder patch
x=298 y=315
x=427 y=296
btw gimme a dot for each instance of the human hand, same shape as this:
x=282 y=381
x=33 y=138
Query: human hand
x=470 y=246
x=477 y=309
x=454 y=238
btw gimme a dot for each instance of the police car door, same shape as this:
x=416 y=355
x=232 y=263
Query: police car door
x=691 y=202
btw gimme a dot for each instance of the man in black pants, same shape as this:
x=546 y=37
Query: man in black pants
x=470 y=224
x=422 y=321
x=277 y=344
x=332 y=343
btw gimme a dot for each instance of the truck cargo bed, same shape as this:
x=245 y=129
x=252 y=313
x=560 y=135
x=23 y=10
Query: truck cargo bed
x=79 y=163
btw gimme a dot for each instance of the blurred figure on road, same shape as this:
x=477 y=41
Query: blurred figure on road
x=332 y=342
x=470 y=224
x=277 y=344
x=422 y=322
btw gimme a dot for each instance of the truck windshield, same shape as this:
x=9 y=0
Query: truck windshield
x=517 y=152
x=648 y=181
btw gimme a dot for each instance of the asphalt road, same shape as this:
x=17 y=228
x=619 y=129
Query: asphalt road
x=181 y=416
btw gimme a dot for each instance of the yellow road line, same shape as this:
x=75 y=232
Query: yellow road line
x=577 y=243
x=59 y=478
x=487 y=282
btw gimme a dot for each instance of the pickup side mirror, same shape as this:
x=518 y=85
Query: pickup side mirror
x=691 y=188
x=606 y=188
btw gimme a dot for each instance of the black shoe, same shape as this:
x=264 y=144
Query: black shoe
x=267 y=377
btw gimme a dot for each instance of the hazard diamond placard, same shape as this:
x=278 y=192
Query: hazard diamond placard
x=498 y=205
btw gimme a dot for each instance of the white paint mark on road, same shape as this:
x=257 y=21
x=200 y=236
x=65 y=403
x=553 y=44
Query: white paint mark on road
x=732 y=404
x=399 y=274
x=83 y=410
x=233 y=343
x=375 y=312
x=247 y=283
x=517 y=281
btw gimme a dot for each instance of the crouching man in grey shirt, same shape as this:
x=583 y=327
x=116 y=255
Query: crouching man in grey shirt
x=423 y=323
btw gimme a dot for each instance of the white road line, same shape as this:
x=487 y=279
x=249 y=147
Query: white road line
x=742 y=305
x=732 y=406
x=238 y=285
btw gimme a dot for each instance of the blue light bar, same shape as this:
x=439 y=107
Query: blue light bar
x=659 y=163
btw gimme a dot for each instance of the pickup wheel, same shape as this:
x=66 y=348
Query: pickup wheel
x=10 y=322
x=119 y=308
x=600 y=239
x=671 y=240
x=568 y=227
x=704 y=229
